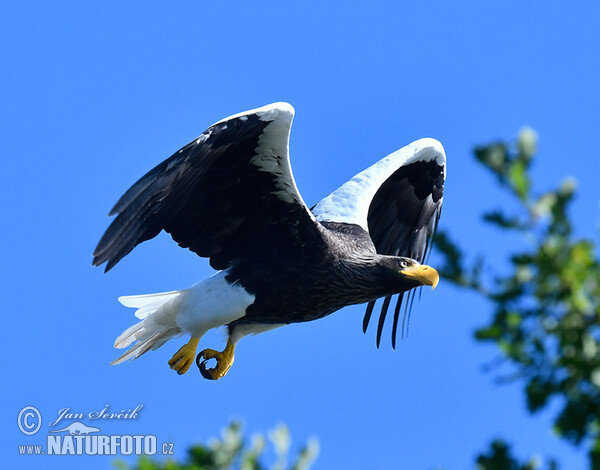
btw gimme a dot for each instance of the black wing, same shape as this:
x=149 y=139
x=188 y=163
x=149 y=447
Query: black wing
x=402 y=219
x=227 y=195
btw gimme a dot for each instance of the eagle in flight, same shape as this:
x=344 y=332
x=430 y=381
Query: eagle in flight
x=230 y=196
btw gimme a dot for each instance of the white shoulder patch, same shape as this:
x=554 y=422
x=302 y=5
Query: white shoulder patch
x=272 y=153
x=270 y=112
x=350 y=202
x=272 y=150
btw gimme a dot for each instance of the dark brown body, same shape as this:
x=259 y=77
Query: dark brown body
x=304 y=288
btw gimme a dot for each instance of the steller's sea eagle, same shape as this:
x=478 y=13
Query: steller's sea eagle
x=230 y=196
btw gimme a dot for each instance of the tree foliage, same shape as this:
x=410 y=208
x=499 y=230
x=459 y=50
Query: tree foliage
x=231 y=451
x=546 y=309
x=499 y=457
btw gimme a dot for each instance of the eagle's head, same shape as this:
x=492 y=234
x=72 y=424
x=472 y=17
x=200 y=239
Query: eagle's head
x=411 y=273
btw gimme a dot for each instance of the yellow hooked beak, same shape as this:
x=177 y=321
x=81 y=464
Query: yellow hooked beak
x=426 y=275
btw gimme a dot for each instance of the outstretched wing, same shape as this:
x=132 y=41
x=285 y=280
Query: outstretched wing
x=398 y=201
x=227 y=195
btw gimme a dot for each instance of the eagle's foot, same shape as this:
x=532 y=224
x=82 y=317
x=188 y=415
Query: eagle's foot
x=224 y=361
x=183 y=359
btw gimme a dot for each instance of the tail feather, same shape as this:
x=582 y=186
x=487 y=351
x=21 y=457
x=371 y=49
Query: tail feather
x=128 y=336
x=147 y=303
x=158 y=313
x=143 y=346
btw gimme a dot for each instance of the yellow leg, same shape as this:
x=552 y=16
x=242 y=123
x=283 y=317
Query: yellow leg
x=183 y=359
x=224 y=361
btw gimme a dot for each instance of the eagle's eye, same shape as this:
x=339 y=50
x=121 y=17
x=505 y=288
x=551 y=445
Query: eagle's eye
x=404 y=264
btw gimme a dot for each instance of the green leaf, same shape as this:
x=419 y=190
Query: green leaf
x=537 y=393
x=519 y=179
x=496 y=217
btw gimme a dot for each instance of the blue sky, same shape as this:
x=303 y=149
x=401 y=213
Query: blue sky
x=94 y=94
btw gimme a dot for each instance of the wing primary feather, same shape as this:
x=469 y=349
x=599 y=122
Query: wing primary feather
x=405 y=316
x=410 y=301
x=368 y=313
x=396 y=316
x=384 y=309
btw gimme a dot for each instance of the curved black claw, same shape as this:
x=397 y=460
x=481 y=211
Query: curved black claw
x=206 y=373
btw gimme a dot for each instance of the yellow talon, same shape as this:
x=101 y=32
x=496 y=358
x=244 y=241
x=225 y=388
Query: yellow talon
x=183 y=359
x=224 y=361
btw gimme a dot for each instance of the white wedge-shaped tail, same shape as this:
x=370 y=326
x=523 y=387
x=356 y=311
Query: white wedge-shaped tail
x=208 y=304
